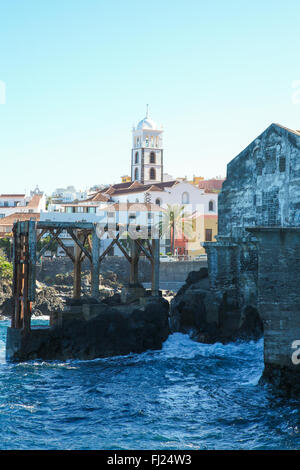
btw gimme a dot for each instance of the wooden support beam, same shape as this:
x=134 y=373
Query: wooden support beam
x=32 y=243
x=120 y=246
x=79 y=243
x=89 y=240
x=67 y=250
x=55 y=236
x=135 y=252
x=41 y=234
x=85 y=238
x=140 y=244
x=17 y=278
x=95 y=264
x=102 y=256
x=77 y=271
x=155 y=266
x=65 y=225
x=149 y=247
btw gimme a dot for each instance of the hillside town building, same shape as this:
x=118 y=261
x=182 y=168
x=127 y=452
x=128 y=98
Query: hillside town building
x=149 y=191
x=147 y=186
x=19 y=207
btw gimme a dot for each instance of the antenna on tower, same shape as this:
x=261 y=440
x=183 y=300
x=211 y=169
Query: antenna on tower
x=147 y=110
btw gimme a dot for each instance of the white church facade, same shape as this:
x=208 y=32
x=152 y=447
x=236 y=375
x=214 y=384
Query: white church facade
x=124 y=201
x=147 y=152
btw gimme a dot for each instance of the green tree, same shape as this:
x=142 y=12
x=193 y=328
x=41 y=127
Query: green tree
x=6 y=246
x=6 y=268
x=44 y=241
x=175 y=224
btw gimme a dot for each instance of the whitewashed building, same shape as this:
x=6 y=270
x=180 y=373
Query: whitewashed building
x=150 y=190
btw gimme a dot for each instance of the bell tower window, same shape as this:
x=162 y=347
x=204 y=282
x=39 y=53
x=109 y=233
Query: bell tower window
x=211 y=206
x=136 y=174
x=152 y=157
x=152 y=174
x=136 y=157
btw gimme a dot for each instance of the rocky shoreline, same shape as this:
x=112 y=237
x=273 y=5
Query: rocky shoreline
x=196 y=311
x=193 y=310
x=54 y=292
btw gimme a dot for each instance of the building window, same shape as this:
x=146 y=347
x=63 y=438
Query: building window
x=136 y=174
x=136 y=159
x=282 y=164
x=147 y=141
x=152 y=157
x=185 y=198
x=259 y=166
x=211 y=206
x=152 y=174
x=158 y=201
x=208 y=234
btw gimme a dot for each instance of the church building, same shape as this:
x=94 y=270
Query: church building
x=147 y=152
x=146 y=194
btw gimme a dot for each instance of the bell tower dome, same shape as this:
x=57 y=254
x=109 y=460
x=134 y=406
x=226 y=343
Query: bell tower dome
x=147 y=152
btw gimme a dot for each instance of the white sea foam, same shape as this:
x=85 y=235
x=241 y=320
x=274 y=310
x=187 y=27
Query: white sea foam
x=180 y=345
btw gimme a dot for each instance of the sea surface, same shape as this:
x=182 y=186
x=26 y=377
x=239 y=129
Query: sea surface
x=185 y=396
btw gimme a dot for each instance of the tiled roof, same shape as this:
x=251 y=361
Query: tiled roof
x=211 y=185
x=35 y=201
x=97 y=197
x=133 y=206
x=12 y=195
x=146 y=187
x=78 y=204
x=19 y=216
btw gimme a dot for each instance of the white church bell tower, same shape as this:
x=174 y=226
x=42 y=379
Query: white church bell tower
x=147 y=152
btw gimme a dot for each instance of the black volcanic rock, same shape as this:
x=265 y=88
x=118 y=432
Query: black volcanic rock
x=196 y=311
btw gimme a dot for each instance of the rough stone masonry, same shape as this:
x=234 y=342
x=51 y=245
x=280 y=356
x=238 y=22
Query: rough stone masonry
x=255 y=261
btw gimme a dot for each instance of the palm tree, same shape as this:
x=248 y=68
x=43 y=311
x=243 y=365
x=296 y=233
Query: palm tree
x=175 y=224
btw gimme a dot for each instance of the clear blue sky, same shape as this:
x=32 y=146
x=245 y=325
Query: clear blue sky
x=79 y=73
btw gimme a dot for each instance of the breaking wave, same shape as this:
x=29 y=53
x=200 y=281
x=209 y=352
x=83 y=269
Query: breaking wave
x=185 y=396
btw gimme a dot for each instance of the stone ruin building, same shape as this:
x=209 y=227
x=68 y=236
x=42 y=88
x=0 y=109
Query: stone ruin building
x=255 y=263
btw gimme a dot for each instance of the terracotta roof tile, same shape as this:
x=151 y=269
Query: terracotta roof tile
x=19 y=216
x=133 y=206
x=35 y=200
x=12 y=195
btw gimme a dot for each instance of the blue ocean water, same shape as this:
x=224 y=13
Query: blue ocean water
x=185 y=396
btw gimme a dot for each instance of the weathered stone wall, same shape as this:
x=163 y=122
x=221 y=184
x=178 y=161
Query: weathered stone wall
x=260 y=269
x=262 y=185
x=179 y=270
x=262 y=189
x=279 y=301
x=117 y=264
x=169 y=271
